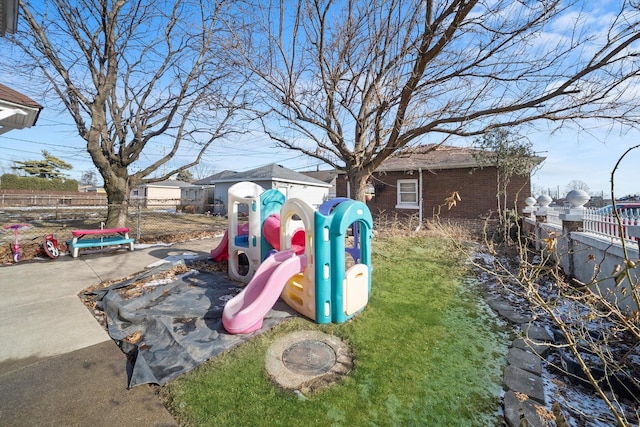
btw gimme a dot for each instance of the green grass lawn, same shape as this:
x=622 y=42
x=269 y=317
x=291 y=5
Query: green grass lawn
x=425 y=353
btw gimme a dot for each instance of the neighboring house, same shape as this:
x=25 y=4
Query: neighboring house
x=163 y=193
x=200 y=199
x=8 y=17
x=273 y=176
x=17 y=111
x=418 y=182
x=328 y=176
x=91 y=189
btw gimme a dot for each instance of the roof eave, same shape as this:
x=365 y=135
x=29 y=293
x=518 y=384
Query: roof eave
x=314 y=184
x=18 y=116
x=234 y=180
x=433 y=166
x=440 y=166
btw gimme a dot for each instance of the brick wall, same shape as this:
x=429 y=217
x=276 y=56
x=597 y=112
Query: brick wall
x=477 y=189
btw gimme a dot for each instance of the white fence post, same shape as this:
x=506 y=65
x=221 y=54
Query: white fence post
x=588 y=254
x=541 y=216
x=573 y=220
x=634 y=232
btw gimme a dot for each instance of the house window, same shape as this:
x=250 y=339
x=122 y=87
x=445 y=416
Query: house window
x=407 y=194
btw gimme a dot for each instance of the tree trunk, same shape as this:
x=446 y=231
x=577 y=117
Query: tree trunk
x=358 y=184
x=118 y=189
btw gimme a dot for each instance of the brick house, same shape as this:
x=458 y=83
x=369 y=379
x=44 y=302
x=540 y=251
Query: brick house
x=417 y=182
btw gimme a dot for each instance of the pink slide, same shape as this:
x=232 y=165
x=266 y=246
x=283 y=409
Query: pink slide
x=221 y=252
x=245 y=312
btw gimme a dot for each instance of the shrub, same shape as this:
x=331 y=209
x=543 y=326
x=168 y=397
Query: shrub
x=14 y=182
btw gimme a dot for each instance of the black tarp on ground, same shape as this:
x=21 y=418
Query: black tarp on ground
x=179 y=324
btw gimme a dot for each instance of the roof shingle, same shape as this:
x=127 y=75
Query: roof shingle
x=272 y=171
x=434 y=157
x=9 y=95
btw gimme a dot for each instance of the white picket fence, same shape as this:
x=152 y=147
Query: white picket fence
x=607 y=224
x=601 y=223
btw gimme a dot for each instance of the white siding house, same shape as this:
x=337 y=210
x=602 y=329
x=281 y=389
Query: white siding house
x=199 y=199
x=163 y=193
x=17 y=111
x=273 y=176
x=327 y=176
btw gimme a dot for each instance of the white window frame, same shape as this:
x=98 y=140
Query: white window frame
x=407 y=205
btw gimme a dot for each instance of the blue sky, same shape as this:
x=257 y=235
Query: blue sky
x=588 y=156
x=55 y=133
x=585 y=155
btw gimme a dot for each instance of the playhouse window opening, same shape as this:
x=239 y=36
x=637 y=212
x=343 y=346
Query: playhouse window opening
x=243 y=211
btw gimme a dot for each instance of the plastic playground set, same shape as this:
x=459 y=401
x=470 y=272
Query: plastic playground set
x=317 y=260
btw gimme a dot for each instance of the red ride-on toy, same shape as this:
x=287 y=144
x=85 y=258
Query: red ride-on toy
x=50 y=246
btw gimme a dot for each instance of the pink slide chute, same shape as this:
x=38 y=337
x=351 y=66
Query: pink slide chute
x=271 y=233
x=245 y=312
x=221 y=252
x=271 y=230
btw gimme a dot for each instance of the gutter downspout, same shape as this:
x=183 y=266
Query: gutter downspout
x=419 y=200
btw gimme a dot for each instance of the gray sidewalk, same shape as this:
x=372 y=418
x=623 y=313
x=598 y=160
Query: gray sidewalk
x=57 y=365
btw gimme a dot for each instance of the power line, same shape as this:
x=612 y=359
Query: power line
x=31 y=141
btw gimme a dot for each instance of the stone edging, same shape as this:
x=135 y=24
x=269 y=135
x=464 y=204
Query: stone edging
x=523 y=383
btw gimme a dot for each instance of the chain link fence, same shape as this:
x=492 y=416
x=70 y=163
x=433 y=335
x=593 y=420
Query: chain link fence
x=162 y=223
x=149 y=223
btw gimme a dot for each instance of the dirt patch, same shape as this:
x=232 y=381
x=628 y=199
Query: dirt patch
x=29 y=250
x=177 y=237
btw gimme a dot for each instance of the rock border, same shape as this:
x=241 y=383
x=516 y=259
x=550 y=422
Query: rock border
x=524 y=399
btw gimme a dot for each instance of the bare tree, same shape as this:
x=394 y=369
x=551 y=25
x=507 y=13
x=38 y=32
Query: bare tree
x=577 y=184
x=88 y=178
x=133 y=75
x=350 y=82
x=512 y=155
x=202 y=170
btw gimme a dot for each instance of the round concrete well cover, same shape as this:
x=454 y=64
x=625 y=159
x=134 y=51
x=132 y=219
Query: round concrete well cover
x=306 y=360
x=309 y=357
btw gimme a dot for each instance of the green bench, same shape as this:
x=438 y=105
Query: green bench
x=105 y=237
